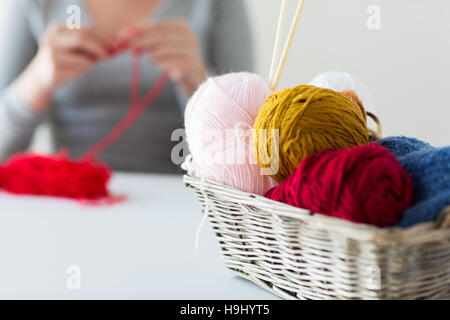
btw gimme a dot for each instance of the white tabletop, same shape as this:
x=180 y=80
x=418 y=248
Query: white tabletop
x=140 y=249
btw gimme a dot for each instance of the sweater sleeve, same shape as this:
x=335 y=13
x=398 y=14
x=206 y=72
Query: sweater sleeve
x=231 y=47
x=17 y=120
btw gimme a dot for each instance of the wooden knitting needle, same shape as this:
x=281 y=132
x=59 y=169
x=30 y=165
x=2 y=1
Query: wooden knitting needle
x=279 y=35
x=276 y=80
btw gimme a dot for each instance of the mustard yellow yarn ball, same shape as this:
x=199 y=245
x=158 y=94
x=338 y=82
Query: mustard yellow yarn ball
x=302 y=121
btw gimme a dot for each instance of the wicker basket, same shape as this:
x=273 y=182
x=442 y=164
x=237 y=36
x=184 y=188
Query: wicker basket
x=300 y=255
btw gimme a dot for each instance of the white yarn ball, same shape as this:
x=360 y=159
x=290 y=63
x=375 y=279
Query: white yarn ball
x=340 y=81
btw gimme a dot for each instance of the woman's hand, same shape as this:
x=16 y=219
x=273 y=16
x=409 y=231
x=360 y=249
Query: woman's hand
x=172 y=46
x=63 y=55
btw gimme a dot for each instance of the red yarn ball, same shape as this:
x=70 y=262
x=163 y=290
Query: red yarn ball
x=28 y=174
x=365 y=184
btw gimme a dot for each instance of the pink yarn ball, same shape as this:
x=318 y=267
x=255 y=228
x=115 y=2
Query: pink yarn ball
x=219 y=120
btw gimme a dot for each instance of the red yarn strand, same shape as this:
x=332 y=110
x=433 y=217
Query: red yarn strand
x=84 y=180
x=136 y=108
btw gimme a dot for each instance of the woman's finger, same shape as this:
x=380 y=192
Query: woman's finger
x=160 y=34
x=68 y=60
x=168 y=25
x=151 y=43
x=70 y=74
x=84 y=41
x=92 y=44
x=167 y=52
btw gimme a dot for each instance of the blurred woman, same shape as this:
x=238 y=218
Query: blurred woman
x=66 y=77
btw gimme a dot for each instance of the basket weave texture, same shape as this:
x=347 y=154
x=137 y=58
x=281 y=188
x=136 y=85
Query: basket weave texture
x=300 y=255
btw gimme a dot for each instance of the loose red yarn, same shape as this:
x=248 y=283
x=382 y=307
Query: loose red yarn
x=365 y=184
x=29 y=174
x=85 y=180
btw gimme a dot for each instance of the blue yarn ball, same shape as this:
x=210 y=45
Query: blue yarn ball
x=401 y=146
x=429 y=169
x=425 y=211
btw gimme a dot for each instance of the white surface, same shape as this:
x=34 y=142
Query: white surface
x=141 y=249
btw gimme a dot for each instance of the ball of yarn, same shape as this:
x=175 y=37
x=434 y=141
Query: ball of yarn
x=364 y=184
x=430 y=172
x=219 y=119
x=28 y=174
x=401 y=146
x=308 y=119
x=342 y=81
x=426 y=210
x=429 y=169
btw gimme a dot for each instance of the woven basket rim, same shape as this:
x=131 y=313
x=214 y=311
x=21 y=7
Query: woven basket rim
x=428 y=231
